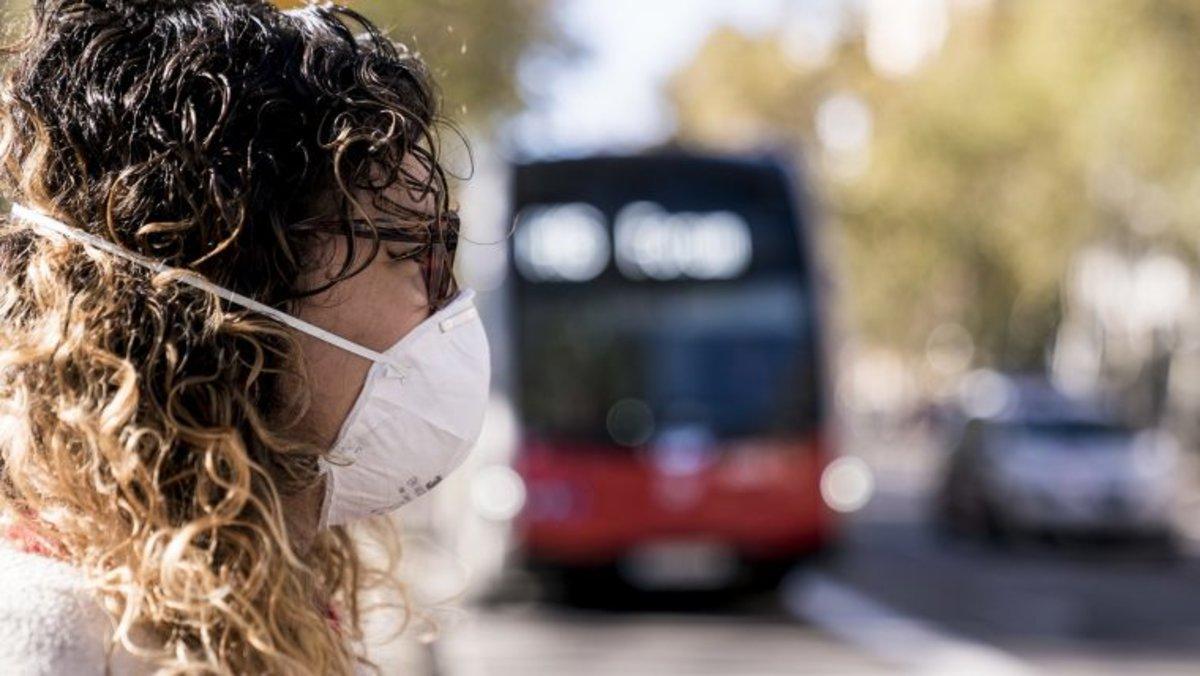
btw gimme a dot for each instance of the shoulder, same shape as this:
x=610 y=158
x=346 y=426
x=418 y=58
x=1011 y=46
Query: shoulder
x=49 y=622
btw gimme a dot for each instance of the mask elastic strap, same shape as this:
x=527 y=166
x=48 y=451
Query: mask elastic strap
x=194 y=280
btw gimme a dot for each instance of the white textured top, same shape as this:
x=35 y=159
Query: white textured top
x=49 y=622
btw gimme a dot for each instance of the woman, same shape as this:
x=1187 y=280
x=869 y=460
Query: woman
x=228 y=328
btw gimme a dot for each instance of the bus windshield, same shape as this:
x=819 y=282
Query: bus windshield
x=624 y=364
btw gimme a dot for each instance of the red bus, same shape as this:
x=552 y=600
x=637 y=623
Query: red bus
x=670 y=369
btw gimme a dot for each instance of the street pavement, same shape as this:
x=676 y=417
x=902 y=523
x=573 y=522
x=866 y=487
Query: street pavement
x=1088 y=609
x=900 y=599
x=548 y=640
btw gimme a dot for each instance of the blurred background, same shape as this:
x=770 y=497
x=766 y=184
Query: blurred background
x=831 y=336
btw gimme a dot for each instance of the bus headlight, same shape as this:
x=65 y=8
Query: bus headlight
x=847 y=485
x=497 y=493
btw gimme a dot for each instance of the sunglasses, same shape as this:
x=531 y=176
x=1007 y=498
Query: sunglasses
x=434 y=249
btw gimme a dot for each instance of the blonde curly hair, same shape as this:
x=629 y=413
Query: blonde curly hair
x=148 y=432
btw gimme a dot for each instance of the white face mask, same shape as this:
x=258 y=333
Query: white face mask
x=420 y=410
x=418 y=415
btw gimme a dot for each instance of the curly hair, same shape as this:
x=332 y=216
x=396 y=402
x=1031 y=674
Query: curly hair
x=148 y=430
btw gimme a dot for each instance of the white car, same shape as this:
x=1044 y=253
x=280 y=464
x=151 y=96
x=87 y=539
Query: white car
x=1057 y=473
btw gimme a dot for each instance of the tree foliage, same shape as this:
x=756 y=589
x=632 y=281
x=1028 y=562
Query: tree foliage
x=1038 y=127
x=473 y=46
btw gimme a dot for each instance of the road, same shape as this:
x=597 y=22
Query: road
x=543 y=640
x=1093 y=610
x=899 y=600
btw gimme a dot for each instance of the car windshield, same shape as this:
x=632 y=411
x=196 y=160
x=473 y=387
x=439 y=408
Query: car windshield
x=1068 y=433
